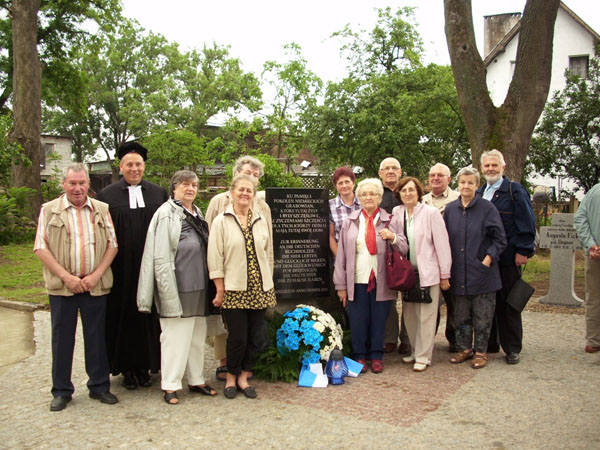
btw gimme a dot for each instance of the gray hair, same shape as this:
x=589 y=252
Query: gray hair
x=182 y=176
x=389 y=159
x=254 y=162
x=444 y=168
x=75 y=167
x=376 y=182
x=469 y=171
x=493 y=154
x=243 y=177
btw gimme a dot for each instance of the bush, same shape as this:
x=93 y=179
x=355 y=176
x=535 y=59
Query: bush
x=16 y=225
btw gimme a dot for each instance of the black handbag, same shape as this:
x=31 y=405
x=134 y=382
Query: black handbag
x=417 y=294
x=520 y=294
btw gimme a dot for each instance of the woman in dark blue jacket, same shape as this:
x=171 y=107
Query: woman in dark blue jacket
x=476 y=239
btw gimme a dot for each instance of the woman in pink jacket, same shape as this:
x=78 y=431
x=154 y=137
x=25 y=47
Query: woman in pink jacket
x=423 y=237
x=359 y=274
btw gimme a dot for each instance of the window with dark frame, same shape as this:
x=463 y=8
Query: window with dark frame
x=48 y=151
x=578 y=65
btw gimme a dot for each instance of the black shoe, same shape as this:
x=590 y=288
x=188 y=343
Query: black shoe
x=230 y=392
x=128 y=381
x=105 y=397
x=512 y=358
x=60 y=403
x=249 y=391
x=143 y=378
x=453 y=348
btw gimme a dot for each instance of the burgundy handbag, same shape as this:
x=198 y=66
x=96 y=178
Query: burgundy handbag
x=399 y=270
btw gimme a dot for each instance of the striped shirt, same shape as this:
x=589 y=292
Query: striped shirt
x=82 y=236
x=339 y=211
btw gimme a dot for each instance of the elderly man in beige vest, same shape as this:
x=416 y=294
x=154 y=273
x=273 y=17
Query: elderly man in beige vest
x=440 y=195
x=76 y=242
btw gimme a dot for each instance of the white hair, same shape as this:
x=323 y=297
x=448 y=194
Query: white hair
x=444 y=168
x=493 y=154
x=375 y=182
x=390 y=159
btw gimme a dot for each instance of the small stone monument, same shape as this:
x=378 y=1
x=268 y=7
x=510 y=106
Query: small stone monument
x=561 y=238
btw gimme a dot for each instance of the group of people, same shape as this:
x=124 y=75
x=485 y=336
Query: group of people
x=151 y=278
x=467 y=247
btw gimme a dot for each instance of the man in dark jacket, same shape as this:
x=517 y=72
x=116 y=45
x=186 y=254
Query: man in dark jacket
x=513 y=203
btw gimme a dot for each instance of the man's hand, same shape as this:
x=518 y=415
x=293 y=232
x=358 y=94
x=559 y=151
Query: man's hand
x=520 y=260
x=90 y=281
x=74 y=283
x=487 y=261
x=595 y=252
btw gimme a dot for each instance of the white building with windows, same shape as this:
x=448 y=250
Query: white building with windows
x=574 y=45
x=56 y=155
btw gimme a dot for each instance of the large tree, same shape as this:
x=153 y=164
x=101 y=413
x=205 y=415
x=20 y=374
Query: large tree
x=567 y=141
x=509 y=127
x=27 y=109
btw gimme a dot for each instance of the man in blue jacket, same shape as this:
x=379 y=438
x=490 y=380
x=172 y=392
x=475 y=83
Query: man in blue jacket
x=514 y=205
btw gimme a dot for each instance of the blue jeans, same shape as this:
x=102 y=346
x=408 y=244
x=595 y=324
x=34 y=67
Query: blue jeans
x=367 y=322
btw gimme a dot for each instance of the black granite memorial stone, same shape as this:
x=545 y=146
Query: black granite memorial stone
x=300 y=243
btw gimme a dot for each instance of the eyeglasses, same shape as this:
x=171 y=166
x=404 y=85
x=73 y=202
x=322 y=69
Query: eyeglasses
x=368 y=194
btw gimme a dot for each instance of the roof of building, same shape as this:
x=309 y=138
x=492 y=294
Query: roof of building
x=500 y=47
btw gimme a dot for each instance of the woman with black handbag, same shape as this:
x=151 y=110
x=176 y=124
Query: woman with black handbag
x=425 y=242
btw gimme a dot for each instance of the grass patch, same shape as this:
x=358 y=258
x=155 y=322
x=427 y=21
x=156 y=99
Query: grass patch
x=21 y=274
x=538 y=267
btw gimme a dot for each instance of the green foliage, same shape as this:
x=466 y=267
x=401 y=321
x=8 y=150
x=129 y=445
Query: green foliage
x=567 y=142
x=62 y=27
x=394 y=44
x=296 y=88
x=270 y=364
x=390 y=105
x=275 y=175
x=9 y=152
x=170 y=151
x=15 y=215
x=136 y=83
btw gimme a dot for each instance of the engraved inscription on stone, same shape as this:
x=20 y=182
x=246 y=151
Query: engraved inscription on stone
x=300 y=241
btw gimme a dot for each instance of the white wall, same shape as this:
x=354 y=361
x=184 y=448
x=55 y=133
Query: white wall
x=570 y=39
x=62 y=151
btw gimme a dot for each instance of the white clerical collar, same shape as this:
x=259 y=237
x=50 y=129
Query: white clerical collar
x=136 y=199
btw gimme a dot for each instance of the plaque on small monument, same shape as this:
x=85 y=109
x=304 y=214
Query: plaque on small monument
x=561 y=239
x=300 y=242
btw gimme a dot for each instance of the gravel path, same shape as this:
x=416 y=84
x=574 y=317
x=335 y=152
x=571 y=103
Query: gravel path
x=550 y=400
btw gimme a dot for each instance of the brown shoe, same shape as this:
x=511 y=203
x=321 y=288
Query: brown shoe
x=389 y=347
x=404 y=349
x=591 y=349
x=462 y=356
x=479 y=361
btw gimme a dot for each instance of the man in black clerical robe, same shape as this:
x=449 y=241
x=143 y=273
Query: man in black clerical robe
x=132 y=338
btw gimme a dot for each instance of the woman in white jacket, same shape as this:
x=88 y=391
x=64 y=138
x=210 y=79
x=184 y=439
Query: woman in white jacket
x=174 y=276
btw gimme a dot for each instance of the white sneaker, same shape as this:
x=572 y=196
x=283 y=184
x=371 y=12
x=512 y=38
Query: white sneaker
x=419 y=367
x=408 y=359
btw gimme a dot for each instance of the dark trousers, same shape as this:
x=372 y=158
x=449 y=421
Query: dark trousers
x=449 y=301
x=63 y=312
x=473 y=320
x=507 y=327
x=367 y=322
x=245 y=327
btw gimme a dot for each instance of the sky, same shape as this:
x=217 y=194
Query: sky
x=256 y=31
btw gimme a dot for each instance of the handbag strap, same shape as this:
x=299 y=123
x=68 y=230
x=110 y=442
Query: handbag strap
x=406 y=235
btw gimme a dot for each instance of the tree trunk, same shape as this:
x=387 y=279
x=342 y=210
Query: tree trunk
x=27 y=108
x=509 y=127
